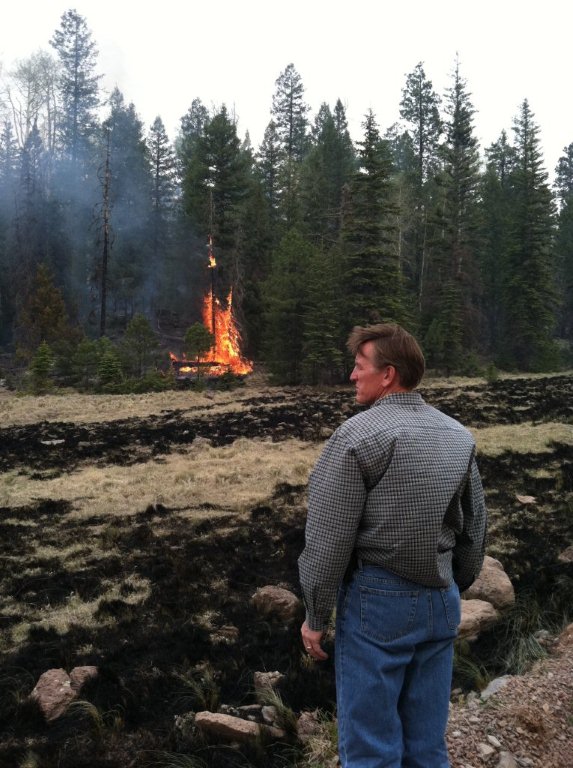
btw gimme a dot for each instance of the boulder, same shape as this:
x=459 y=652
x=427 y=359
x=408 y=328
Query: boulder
x=277 y=602
x=492 y=585
x=229 y=728
x=477 y=615
x=53 y=693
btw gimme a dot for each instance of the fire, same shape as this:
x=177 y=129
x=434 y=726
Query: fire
x=225 y=355
x=212 y=262
x=226 y=352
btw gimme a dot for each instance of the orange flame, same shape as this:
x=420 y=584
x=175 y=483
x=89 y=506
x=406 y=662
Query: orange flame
x=225 y=355
x=226 y=352
x=212 y=262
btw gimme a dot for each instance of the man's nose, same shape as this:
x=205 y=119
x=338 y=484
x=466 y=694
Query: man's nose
x=353 y=375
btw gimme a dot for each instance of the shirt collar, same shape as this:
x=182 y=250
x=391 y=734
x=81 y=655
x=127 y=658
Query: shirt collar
x=403 y=398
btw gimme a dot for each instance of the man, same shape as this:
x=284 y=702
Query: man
x=396 y=504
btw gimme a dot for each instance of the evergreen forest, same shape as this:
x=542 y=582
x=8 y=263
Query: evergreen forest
x=105 y=227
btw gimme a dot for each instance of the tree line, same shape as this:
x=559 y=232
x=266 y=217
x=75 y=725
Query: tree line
x=103 y=222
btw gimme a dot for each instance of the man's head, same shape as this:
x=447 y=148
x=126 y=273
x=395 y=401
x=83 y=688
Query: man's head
x=387 y=359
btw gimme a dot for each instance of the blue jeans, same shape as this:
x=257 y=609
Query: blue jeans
x=394 y=654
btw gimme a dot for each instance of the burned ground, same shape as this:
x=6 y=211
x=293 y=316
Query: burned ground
x=171 y=627
x=62 y=446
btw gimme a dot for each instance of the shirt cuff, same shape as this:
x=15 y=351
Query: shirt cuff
x=316 y=624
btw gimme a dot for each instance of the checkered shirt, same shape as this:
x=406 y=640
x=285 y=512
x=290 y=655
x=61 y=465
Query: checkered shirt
x=397 y=485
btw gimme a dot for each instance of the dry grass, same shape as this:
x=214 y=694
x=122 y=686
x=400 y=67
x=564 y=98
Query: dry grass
x=522 y=438
x=17 y=409
x=75 y=611
x=230 y=477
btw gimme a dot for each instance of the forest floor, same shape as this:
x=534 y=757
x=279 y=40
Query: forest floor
x=135 y=529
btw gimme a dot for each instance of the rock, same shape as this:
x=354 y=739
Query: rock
x=485 y=750
x=278 y=602
x=266 y=682
x=79 y=676
x=492 y=585
x=507 y=760
x=495 y=686
x=269 y=714
x=53 y=693
x=477 y=615
x=232 y=728
x=494 y=741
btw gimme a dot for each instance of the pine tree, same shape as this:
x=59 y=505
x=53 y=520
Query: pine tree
x=139 y=345
x=495 y=238
x=215 y=186
x=30 y=245
x=109 y=370
x=78 y=87
x=327 y=167
x=372 y=282
x=192 y=128
x=289 y=112
x=198 y=341
x=43 y=316
x=268 y=164
x=284 y=293
x=254 y=246
x=84 y=363
x=75 y=137
x=130 y=272
x=321 y=350
x=419 y=108
x=564 y=241
x=40 y=369
x=530 y=297
x=452 y=286
x=164 y=190
x=9 y=162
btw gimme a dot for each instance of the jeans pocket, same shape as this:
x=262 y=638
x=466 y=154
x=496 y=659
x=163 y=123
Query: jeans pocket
x=452 y=607
x=387 y=614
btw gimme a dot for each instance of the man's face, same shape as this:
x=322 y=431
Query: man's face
x=371 y=383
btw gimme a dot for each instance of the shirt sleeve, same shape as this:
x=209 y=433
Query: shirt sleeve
x=469 y=549
x=337 y=494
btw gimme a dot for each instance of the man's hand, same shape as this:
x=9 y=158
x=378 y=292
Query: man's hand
x=311 y=641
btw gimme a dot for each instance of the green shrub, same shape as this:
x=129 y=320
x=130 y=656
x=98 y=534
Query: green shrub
x=41 y=369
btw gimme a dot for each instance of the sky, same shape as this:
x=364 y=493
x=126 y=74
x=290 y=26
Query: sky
x=163 y=55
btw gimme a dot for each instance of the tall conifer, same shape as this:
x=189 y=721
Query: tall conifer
x=530 y=297
x=372 y=282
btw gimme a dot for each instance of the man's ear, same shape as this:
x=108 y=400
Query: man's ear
x=391 y=375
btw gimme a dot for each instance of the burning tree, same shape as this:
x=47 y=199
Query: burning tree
x=219 y=349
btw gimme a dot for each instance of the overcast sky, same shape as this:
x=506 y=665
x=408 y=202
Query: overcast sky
x=162 y=55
